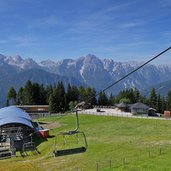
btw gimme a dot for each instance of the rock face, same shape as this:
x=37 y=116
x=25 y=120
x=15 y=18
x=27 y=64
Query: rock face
x=102 y=72
x=87 y=71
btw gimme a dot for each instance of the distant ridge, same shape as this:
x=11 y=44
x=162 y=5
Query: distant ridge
x=87 y=71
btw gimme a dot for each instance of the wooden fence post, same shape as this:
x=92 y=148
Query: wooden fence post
x=97 y=166
x=124 y=162
x=110 y=164
x=160 y=150
x=149 y=153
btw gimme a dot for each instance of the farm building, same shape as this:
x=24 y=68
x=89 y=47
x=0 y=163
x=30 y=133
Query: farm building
x=16 y=130
x=139 y=108
x=34 y=108
x=123 y=107
x=84 y=105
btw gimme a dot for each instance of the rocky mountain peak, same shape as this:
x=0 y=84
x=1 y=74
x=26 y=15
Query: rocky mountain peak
x=2 y=57
x=93 y=71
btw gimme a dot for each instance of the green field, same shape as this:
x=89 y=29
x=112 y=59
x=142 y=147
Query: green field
x=114 y=143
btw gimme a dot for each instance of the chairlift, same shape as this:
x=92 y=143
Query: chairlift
x=29 y=146
x=76 y=131
x=77 y=134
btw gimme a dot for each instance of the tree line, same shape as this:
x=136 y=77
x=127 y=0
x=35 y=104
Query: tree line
x=61 y=99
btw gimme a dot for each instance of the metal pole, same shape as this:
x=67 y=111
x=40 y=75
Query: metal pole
x=77 y=122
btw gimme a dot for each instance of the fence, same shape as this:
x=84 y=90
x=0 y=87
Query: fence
x=120 y=163
x=41 y=115
x=122 y=114
x=152 y=152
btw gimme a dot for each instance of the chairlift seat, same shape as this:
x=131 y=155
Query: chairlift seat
x=75 y=150
x=69 y=132
x=69 y=151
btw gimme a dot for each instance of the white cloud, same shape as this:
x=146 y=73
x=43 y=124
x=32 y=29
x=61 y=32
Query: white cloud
x=117 y=7
x=20 y=41
x=46 y=22
x=4 y=41
x=132 y=24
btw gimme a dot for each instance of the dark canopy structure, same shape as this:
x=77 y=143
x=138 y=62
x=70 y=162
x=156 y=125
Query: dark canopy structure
x=16 y=131
x=14 y=115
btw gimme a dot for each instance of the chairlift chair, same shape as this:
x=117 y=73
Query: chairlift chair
x=77 y=133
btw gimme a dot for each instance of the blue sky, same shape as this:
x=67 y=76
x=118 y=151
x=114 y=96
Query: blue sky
x=56 y=29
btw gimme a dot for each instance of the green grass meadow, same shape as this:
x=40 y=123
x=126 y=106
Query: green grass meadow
x=114 y=143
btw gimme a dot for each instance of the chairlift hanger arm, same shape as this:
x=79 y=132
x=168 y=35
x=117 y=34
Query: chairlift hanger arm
x=75 y=131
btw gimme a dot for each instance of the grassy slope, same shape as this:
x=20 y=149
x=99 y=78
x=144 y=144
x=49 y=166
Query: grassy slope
x=109 y=138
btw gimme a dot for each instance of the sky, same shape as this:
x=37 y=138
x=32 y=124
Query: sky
x=122 y=30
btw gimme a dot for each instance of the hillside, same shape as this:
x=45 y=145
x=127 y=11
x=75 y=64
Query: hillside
x=163 y=88
x=18 y=79
x=119 y=143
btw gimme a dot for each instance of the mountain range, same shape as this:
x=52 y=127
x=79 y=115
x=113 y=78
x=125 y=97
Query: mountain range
x=87 y=71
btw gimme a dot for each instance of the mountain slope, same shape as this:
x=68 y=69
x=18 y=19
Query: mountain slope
x=161 y=88
x=101 y=73
x=87 y=71
x=35 y=75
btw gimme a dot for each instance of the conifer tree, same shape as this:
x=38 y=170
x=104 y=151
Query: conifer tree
x=159 y=104
x=102 y=100
x=54 y=102
x=28 y=93
x=42 y=95
x=75 y=93
x=20 y=95
x=164 y=104
x=153 y=98
x=111 y=99
x=35 y=94
x=169 y=100
x=11 y=96
x=82 y=94
x=137 y=96
x=49 y=91
x=90 y=96
x=69 y=93
x=61 y=96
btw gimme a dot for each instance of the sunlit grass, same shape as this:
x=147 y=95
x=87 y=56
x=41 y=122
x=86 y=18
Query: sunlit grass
x=113 y=143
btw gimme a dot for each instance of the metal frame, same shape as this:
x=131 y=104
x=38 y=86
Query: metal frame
x=69 y=151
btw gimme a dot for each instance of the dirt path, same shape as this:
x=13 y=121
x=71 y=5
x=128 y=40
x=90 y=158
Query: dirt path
x=51 y=125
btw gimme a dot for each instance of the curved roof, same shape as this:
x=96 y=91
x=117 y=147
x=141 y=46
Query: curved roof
x=17 y=112
x=10 y=120
x=13 y=114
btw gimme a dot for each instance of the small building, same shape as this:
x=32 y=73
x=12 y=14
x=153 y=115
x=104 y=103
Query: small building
x=84 y=105
x=34 y=108
x=123 y=107
x=139 y=108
